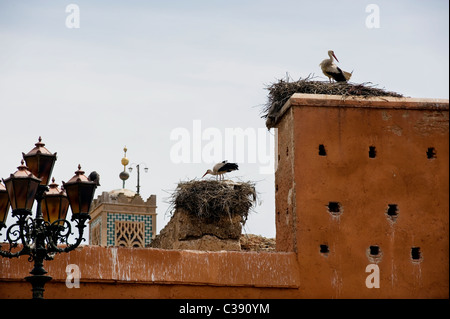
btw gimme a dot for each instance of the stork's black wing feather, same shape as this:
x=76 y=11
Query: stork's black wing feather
x=338 y=76
x=228 y=167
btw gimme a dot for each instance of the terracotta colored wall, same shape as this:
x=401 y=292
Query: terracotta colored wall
x=402 y=130
x=119 y=272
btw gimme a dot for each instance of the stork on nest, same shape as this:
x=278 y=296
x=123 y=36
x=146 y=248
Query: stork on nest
x=330 y=69
x=210 y=199
x=281 y=91
x=221 y=168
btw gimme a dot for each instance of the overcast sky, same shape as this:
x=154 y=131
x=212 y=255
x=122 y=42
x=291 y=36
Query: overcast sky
x=137 y=73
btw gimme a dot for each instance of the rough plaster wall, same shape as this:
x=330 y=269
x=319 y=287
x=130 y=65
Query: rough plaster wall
x=158 y=273
x=285 y=186
x=185 y=231
x=400 y=174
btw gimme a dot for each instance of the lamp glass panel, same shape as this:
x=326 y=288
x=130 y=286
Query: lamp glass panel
x=46 y=167
x=41 y=166
x=33 y=185
x=86 y=192
x=64 y=208
x=50 y=208
x=20 y=193
x=4 y=206
x=73 y=195
x=32 y=164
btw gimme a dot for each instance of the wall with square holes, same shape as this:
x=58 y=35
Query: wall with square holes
x=365 y=181
x=359 y=182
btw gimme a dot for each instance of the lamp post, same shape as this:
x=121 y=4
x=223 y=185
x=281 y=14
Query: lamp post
x=40 y=236
x=138 y=166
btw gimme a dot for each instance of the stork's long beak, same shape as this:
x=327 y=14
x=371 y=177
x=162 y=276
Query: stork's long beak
x=335 y=57
x=204 y=174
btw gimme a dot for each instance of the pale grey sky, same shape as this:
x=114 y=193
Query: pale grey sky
x=137 y=70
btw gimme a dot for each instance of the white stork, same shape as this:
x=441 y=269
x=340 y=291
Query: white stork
x=332 y=70
x=221 y=168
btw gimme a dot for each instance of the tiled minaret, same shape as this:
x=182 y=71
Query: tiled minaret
x=122 y=218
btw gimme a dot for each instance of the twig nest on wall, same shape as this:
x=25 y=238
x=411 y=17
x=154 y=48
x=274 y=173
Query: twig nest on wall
x=281 y=91
x=212 y=200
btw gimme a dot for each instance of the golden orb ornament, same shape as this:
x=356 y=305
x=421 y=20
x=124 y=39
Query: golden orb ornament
x=125 y=160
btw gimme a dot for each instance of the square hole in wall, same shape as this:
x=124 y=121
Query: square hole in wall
x=334 y=208
x=322 y=151
x=415 y=253
x=372 y=152
x=374 y=250
x=431 y=153
x=324 y=249
x=392 y=211
x=374 y=253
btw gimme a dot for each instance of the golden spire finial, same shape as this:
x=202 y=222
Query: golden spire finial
x=124 y=175
x=125 y=160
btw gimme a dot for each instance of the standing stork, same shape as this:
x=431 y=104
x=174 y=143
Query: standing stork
x=221 y=168
x=330 y=69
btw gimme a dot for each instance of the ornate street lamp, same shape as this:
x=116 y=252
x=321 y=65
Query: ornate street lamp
x=22 y=187
x=55 y=204
x=80 y=191
x=40 y=236
x=40 y=161
x=138 y=166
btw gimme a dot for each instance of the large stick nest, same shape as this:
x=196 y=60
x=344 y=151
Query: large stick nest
x=281 y=91
x=212 y=200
